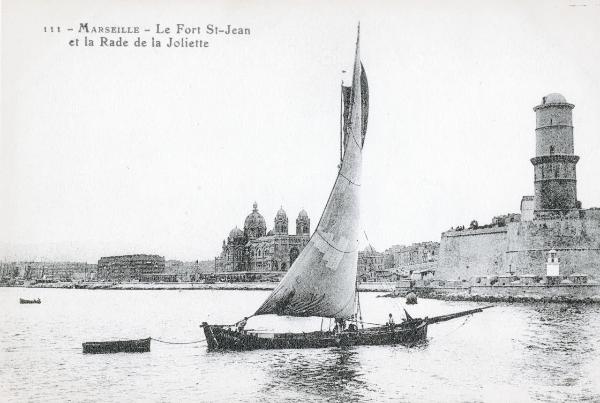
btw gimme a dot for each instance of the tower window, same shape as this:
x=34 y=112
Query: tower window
x=551 y=150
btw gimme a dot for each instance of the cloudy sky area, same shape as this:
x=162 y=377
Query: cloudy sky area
x=114 y=151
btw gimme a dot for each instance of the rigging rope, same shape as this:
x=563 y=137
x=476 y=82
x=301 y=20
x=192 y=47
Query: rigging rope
x=174 y=342
x=327 y=242
x=458 y=327
x=344 y=176
x=368 y=323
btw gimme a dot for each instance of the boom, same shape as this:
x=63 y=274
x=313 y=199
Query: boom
x=443 y=318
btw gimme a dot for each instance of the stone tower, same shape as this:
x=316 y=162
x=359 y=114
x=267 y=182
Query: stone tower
x=554 y=162
x=302 y=223
x=281 y=222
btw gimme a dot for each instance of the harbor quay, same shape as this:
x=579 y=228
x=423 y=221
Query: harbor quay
x=510 y=293
x=464 y=291
x=240 y=286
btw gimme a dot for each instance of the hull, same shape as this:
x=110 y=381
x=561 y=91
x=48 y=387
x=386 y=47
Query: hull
x=408 y=333
x=120 y=346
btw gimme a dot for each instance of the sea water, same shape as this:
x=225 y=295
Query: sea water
x=518 y=352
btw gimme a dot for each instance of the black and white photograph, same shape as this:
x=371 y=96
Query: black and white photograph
x=300 y=201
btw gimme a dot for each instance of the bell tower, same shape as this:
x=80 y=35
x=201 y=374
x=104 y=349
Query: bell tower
x=303 y=223
x=554 y=164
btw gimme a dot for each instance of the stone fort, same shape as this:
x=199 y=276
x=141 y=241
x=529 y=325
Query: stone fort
x=552 y=218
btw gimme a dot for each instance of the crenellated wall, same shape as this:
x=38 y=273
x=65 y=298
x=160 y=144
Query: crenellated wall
x=522 y=248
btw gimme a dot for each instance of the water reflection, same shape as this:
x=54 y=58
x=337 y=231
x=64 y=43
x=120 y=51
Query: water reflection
x=515 y=352
x=558 y=347
x=325 y=374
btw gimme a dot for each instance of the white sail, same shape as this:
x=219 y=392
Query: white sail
x=322 y=280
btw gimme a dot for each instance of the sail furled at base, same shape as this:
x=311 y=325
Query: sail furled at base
x=322 y=280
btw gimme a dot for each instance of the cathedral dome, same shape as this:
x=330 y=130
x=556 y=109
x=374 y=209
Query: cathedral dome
x=281 y=215
x=369 y=249
x=554 y=98
x=255 y=225
x=302 y=214
x=235 y=235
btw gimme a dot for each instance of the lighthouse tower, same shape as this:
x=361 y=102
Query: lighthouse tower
x=554 y=162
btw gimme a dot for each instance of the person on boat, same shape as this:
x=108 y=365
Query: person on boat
x=390 y=321
x=340 y=325
x=242 y=324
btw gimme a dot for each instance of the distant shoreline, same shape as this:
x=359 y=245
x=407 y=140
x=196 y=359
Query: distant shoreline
x=254 y=286
x=505 y=294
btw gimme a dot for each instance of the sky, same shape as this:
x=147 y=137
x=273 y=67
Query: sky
x=108 y=151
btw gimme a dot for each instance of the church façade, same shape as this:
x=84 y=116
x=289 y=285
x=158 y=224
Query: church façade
x=256 y=250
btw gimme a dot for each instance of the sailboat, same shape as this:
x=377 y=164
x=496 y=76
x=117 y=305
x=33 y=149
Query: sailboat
x=322 y=280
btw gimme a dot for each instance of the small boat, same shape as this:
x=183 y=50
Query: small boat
x=30 y=301
x=119 y=346
x=322 y=280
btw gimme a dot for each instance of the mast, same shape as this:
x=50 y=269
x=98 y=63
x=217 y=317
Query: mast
x=322 y=279
x=358 y=310
x=341 y=122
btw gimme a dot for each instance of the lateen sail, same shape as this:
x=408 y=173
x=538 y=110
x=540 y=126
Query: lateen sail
x=322 y=280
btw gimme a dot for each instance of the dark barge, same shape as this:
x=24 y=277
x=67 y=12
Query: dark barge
x=30 y=301
x=119 y=346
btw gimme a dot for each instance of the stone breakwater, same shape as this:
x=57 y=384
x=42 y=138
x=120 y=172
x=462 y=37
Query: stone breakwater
x=510 y=294
x=258 y=286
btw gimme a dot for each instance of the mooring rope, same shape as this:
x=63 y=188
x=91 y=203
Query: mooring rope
x=176 y=342
x=455 y=329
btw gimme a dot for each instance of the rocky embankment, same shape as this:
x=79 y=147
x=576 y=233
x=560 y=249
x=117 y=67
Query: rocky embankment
x=445 y=295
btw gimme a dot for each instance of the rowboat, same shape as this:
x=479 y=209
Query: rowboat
x=30 y=301
x=119 y=346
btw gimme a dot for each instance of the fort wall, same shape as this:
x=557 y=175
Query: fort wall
x=522 y=248
x=576 y=240
x=555 y=222
x=466 y=253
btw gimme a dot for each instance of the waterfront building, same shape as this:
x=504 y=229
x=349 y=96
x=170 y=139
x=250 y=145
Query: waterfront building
x=186 y=271
x=421 y=256
x=130 y=267
x=47 y=271
x=370 y=265
x=253 y=251
x=550 y=220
